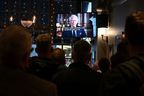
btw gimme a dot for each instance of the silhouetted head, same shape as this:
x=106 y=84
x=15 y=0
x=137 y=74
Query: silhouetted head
x=59 y=56
x=81 y=51
x=134 y=28
x=43 y=43
x=15 y=46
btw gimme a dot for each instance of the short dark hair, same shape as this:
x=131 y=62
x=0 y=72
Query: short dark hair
x=81 y=50
x=59 y=55
x=43 y=42
x=134 y=28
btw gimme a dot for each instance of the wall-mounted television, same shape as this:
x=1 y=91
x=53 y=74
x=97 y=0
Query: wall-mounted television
x=75 y=25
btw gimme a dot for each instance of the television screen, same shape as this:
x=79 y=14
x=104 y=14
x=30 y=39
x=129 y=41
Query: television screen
x=79 y=25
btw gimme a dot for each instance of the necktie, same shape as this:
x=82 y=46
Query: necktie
x=73 y=33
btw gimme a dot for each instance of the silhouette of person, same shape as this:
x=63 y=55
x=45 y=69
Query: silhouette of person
x=59 y=57
x=127 y=78
x=43 y=65
x=15 y=47
x=78 y=79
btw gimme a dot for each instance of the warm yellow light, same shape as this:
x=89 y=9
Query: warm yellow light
x=26 y=23
x=102 y=31
x=11 y=18
x=34 y=19
x=99 y=10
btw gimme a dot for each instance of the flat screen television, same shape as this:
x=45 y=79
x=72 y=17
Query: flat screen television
x=81 y=25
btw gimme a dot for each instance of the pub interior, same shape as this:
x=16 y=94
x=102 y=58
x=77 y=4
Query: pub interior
x=43 y=16
x=99 y=22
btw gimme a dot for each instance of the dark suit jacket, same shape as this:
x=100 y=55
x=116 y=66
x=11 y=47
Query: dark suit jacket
x=14 y=82
x=77 y=80
x=125 y=79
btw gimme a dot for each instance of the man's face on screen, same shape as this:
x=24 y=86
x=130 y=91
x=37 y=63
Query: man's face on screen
x=73 y=21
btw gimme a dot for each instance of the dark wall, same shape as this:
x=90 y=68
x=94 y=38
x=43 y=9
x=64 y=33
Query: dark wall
x=120 y=11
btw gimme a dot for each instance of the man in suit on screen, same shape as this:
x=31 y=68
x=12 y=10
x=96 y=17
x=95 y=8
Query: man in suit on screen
x=73 y=30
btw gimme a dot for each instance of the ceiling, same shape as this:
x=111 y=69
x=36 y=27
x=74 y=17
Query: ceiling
x=25 y=9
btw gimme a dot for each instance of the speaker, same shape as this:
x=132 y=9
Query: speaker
x=102 y=20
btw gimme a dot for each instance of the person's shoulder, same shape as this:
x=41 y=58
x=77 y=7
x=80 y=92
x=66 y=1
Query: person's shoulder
x=27 y=81
x=130 y=67
x=32 y=79
x=45 y=86
x=62 y=73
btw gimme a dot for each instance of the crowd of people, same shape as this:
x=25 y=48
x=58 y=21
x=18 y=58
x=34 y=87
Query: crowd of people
x=47 y=75
x=15 y=47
